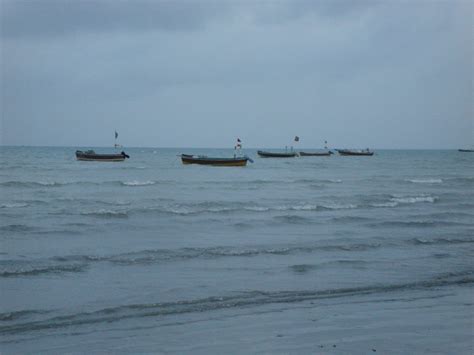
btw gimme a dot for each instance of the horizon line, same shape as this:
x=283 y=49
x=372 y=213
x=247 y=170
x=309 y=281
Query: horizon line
x=178 y=147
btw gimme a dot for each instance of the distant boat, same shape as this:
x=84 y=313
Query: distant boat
x=205 y=160
x=466 y=150
x=351 y=152
x=90 y=155
x=264 y=154
x=316 y=154
x=321 y=153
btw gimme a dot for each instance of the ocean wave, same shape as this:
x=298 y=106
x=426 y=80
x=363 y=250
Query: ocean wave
x=36 y=184
x=138 y=183
x=173 y=255
x=13 y=316
x=274 y=181
x=336 y=206
x=444 y=215
x=31 y=184
x=129 y=167
x=257 y=208
x=465 y=179
x=243 y=225
x=414 y=199
x=397 y=200
x=435 y=241
x=114 y=203
x=349 y=219
x=226 y=207
x=256 y=182
x=314 y=207
x=16 y=228
x=186 y=209
x=318 y=181
x=303 y=207
x=425 y=181
x=14 y=205
x=235 y=301
x=304 y=268
x=416 y=224
x=29 y=270
x=385 y=204
x=293 y=219
x=106 y=213
x=79 y=263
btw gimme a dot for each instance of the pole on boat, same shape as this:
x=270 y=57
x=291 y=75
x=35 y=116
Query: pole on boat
x=237 y=147
x=237 y=150
x=297 y=139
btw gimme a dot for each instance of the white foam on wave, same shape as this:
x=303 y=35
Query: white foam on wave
x=306 y=207
x=49 y=183
x=105 y=212
x=413 y=199
x=190 y=209
x=311 y=207
x=385 y=204
x=138 y=183
x=175 y=210
x=336 y=206
x=218 y=209
x=425 y=181
x=256 y=208
x=17 y=183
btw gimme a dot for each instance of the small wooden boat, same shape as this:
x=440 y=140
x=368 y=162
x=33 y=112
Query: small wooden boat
x=276 y=155
x=466 y=150
x=349 y=152
x=90 y=155
x=204 y=160
x=316 y=154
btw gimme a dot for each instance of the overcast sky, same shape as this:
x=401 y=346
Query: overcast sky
x=381 y=74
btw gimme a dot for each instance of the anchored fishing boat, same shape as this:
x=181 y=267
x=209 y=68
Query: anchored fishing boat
x=321 y=153
x=264 y=154
x=350 y=152
x=205 y=160
x=236 y=160
x=90 y=155
x=286 y=154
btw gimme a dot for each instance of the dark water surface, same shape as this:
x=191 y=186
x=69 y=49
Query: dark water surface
x=303 y=255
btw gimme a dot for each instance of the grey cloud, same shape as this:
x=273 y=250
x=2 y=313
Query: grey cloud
x=377 y=74
x=57 y=17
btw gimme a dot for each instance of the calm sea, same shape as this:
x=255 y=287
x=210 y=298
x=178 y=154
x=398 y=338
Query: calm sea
x=302 y=255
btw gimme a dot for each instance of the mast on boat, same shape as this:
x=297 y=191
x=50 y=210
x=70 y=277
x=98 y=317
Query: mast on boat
x=115 y=144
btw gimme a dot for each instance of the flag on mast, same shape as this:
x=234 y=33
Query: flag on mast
x=239 y=144
x=297 y=139
x=116 y=135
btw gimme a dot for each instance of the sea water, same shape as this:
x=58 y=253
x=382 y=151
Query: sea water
x=301 y=255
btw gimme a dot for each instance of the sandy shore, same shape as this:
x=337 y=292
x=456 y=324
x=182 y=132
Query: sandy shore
x=434 y=321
